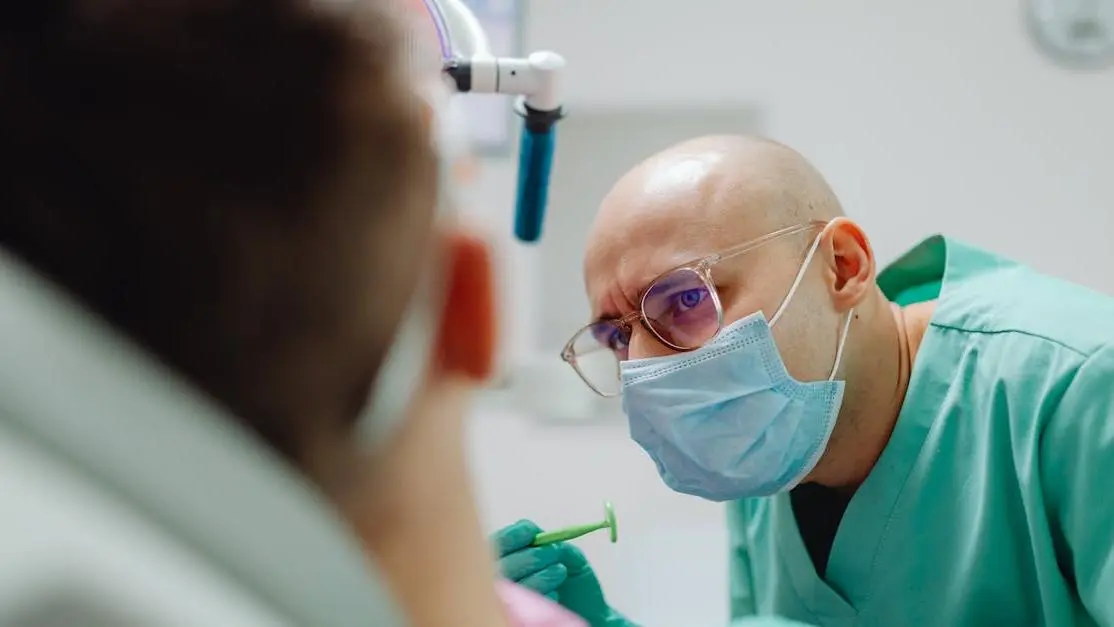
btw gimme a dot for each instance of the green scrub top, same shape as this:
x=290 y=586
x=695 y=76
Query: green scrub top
x=993 y=501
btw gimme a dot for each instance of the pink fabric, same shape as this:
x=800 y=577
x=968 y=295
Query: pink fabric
x=526 y=608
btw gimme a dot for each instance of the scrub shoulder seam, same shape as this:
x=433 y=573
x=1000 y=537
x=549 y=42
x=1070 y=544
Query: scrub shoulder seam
x=1080 y=352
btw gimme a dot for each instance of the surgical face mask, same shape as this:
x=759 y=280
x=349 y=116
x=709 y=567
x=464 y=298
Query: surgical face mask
x=411 y=353
x=727 y=421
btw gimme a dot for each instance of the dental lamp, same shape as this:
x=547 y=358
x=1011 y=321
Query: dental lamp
x=534 y=81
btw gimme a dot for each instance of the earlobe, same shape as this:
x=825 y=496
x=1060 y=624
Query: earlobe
x=466 y=335
x=853 y=263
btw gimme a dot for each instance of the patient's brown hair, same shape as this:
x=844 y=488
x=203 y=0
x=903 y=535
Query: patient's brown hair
x=243 y=186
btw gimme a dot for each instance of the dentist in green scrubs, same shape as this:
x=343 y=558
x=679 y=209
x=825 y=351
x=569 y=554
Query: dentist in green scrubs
x=931 y=443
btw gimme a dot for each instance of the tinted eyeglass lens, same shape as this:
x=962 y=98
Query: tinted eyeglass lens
x=597 y=351
x=679 y=307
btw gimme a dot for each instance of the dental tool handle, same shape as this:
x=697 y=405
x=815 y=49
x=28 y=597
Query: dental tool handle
x=568 y=533
x=535 y=162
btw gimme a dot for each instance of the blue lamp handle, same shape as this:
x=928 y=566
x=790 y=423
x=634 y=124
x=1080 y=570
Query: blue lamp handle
x=535 y=163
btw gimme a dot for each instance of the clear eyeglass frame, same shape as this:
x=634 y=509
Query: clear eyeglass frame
x=702 y=269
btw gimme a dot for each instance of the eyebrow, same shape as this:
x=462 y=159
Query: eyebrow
x=605 y=317
x=611 y=315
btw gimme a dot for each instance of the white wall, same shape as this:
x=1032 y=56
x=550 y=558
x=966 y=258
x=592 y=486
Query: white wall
x=926 y=117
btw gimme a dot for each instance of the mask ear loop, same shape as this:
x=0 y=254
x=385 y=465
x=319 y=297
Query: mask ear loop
x=793 y=290
x=800 y=276
x=842 y=343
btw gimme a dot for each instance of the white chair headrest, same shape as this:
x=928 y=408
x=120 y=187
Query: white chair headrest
x=102 y=421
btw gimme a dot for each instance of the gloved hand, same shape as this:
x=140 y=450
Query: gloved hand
x=559 y=571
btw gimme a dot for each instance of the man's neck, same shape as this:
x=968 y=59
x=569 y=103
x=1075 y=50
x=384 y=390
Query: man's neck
x=874 y=398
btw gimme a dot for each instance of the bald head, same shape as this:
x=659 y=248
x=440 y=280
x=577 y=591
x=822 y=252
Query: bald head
x=693 y=199
x=732 y=186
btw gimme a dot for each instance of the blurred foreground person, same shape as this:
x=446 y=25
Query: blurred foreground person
x=248 y=192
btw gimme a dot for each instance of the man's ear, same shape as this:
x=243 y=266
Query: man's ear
x=466 y=333
x=852 y=263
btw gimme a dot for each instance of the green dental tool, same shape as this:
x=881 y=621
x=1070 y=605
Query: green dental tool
x=571 y=533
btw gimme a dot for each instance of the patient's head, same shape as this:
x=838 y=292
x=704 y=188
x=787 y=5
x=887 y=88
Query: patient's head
x=245 y=188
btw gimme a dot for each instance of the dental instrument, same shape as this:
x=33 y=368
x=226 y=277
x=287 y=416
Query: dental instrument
x=576 y=531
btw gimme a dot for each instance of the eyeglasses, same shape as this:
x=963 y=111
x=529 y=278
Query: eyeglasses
x=680 y=308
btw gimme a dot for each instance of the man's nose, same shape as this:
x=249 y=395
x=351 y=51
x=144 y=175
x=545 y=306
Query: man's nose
x=644 y=344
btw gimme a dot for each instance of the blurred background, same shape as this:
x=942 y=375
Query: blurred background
x=951 y=116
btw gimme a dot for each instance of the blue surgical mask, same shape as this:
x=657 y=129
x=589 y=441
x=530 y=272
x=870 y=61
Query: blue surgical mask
x=727 y=421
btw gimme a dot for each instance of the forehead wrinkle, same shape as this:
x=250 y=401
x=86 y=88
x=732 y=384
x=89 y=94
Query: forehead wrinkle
x=637 y=249
x=640 y=265
x=622 y=272
x=634 y=276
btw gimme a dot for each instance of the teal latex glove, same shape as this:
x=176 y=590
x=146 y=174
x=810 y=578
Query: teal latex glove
x=559 y=571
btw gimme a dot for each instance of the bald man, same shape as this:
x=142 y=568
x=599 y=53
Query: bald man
x=928 y=445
